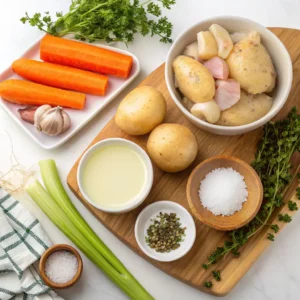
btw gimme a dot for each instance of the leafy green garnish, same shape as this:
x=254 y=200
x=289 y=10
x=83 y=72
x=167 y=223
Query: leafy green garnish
x=284 y=218
x=109 y=20
x=292 y=205
x=298 y=193
x=208 y=284
x=271 y=237
x=275 y=227
x=217 y=275
x=272 y=163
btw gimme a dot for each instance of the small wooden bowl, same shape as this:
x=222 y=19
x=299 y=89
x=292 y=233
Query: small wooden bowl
x=250 y=207
x=51 y=250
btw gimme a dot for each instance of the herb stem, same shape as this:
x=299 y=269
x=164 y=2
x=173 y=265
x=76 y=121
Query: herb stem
x=272 y=163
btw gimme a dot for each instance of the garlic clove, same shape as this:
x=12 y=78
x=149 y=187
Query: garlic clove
x=27 y=113
x=66 y=121
x=40 y=112
x=207 y=111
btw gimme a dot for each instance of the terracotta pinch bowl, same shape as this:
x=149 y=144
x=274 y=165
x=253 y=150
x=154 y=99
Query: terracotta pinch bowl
x=47 y=253
x=249 y=208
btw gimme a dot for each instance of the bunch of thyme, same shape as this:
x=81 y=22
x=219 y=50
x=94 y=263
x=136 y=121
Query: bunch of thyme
x=272 y=163
x=109 y=20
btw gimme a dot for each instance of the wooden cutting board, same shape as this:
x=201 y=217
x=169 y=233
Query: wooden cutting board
x=172 y=187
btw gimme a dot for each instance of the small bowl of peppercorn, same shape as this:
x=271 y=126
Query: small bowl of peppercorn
x=165 y=231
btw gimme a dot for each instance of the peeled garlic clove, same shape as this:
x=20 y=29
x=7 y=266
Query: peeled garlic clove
x=236 y=37
x=223 y=39
x=207 y=111
x=207 y=45
x=192 y=51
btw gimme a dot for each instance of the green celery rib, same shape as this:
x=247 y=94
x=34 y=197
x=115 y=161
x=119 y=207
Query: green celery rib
x=55 y=188
x=64 y=215
x=59 y=218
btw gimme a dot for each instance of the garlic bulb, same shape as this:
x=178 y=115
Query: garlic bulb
x=51 y=121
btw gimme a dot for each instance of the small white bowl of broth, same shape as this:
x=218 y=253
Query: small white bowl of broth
x=115 y=175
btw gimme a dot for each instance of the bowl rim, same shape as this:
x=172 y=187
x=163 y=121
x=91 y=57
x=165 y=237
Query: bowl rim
x=138 y=199
x=171 y=256
x=231 y=129
x=207 y=222
x=57 y=248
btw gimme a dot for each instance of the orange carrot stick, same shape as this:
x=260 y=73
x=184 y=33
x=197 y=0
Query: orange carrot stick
x=83 y=56
x=61 y=76
x=29 y=93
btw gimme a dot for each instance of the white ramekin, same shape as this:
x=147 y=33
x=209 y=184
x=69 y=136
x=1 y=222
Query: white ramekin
x=138 y=199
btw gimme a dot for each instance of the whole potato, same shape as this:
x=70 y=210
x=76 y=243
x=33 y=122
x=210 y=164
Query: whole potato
x=194 y=80
x=172 y=147
x=249 y=109
x=141 y=111
x=251 y=65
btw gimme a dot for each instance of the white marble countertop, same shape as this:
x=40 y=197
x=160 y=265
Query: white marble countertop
x=276 y=275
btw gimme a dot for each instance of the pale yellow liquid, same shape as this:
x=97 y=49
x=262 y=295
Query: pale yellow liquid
x=113 y=176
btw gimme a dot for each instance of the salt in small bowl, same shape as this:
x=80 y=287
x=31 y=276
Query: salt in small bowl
x=45 y=256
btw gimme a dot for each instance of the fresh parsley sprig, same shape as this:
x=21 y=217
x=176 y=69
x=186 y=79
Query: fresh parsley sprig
x=272 y=162
x=109 y=20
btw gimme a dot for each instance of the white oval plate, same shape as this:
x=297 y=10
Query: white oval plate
x=144 y=221
x=94 y=104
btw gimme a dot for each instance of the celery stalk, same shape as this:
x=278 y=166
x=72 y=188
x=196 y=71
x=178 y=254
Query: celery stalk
x=61 y=219
x=55 y=188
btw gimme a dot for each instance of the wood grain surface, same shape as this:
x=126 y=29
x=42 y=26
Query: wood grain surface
x=173 y=187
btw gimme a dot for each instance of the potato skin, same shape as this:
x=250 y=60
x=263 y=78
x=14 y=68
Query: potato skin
x=251 y=65
x=194 y=80
x=141 y=111
x=249 y=109
x=172 y=147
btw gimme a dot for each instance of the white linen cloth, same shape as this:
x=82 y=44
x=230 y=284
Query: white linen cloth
x=22 y=242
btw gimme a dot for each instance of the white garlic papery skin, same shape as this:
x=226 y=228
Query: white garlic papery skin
x=51 y=121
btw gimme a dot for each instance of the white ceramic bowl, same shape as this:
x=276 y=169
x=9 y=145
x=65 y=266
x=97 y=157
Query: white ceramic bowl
x=138 y=199
x=144 y=221
x=278 y=53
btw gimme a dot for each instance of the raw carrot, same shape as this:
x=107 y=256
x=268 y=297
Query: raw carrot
x=83 y=56
x=61 y=76
x=29 y=93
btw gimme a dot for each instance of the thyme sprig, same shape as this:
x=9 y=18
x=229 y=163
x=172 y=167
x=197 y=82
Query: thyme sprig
x=280 y=141
x=109 y=20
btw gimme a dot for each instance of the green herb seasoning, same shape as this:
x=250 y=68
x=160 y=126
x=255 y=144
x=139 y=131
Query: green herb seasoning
x=165 y=233
x=217 y=275
x=108 y=20
x=208 y=284
x=281 y=139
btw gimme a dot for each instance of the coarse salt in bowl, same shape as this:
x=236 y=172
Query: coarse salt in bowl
x=276 y=49
x=249 y=208
x=223 y=191
x=52 y=273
